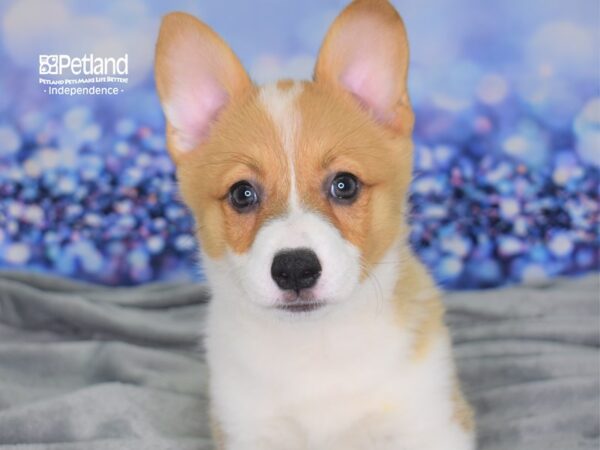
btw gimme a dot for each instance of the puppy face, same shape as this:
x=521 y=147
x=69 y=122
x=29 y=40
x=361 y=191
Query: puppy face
x=297 y=188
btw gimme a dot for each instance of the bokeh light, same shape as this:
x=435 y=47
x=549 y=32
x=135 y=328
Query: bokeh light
x=507 y=138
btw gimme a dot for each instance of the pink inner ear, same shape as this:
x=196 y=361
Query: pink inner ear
x=192 y=111
x=366 y=62
x=366 y=79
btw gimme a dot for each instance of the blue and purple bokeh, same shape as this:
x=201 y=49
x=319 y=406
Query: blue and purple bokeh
x=507 y=138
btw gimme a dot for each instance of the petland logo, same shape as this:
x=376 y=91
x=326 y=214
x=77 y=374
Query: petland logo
x=90 y=69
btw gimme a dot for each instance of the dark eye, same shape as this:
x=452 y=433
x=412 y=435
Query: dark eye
x=243 y=196
x=344 y=187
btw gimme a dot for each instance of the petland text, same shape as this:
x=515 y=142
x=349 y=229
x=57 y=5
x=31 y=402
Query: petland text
x=86 y=65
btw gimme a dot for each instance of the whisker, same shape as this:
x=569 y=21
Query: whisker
x=376 y=285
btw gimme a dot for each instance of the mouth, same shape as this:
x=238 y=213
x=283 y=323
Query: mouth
x=303 y=301
x=301 y=307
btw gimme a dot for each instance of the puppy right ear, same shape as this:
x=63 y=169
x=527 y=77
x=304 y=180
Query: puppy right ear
x=365 y=53
x=197 y=75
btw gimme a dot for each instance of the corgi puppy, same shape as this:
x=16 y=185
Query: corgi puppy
x=324 y=331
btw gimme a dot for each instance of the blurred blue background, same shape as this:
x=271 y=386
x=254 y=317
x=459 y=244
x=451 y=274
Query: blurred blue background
x=507 y=138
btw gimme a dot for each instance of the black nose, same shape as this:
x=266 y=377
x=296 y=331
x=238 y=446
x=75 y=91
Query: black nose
x=295 y=269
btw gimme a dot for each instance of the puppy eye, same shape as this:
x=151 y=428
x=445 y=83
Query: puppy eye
x=344 y=187
x=242 y=196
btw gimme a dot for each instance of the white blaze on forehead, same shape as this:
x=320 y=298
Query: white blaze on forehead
x=280 y=104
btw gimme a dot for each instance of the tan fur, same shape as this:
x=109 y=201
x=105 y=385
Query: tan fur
x=244 y=146
x=463 y=414
x=419 y=308
x=418 y=305
x=338 y=136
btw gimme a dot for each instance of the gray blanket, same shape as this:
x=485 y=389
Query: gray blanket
x=85 y=367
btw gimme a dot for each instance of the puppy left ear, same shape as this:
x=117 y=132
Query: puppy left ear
x=365 y=53
x=197 y=77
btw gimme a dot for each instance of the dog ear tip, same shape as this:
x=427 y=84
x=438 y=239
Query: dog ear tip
x=177 y=19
